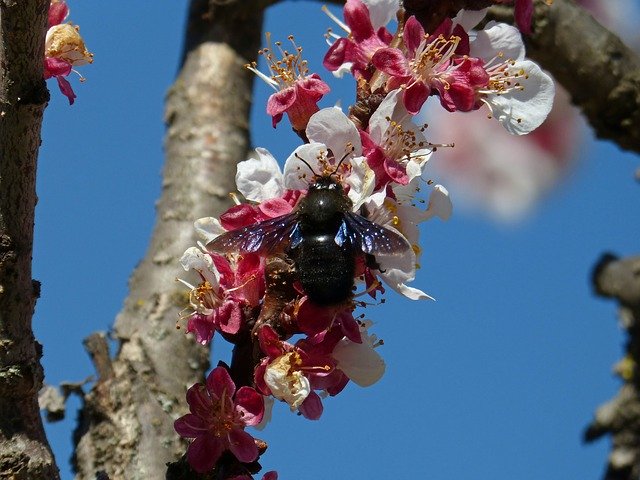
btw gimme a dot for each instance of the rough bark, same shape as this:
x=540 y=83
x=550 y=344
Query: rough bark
x=620 y=417
x=24 y=451
x=126 y=426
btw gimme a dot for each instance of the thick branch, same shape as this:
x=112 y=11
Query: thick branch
x=24 y=451
x=127 y=428
x=620 y=417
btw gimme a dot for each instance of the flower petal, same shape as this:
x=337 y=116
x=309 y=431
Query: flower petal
x=333 y=128
x=260 y=179
x=204 y=452
x=243 y=446
x=220 y=384
x=250 y=404
x=521 y=111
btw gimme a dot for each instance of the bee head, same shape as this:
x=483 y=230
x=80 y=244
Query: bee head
x=325 y=182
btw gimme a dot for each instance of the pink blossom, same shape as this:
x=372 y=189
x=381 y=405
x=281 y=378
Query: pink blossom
x=226 y=288
x=433 y=64
x=217 y=420
x=297 y=93
x=291 y=372
x=363 y=41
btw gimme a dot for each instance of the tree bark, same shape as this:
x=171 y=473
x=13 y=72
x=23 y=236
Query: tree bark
x=126 y=428
x=24 y=451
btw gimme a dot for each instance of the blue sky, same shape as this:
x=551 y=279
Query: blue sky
x=495 y=380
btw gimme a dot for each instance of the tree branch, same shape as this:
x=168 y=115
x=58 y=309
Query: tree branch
x=24 y=450
x=620 y=417
x=127 y=423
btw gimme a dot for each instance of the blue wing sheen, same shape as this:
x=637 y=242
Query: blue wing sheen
x=370 y=237
x=262 y=237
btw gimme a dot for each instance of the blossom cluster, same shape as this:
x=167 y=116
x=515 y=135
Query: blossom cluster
x=64 y=49
x=346 y=206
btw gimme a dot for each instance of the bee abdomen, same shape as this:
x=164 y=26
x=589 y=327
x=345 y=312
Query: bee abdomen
x=325 y=269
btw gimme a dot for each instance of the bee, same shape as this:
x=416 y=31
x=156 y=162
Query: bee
x=323 y=237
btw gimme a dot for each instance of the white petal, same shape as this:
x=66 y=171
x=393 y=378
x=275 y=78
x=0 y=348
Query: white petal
x=333 y=128
x=381 y=12
x=379 y=121
x=498 y=38
x=343 y=69
x=469 y=18
x=268 y=411
x=410 y=292
x=296 y=174
x=359 y=361
x=291 y=386
x=439 y=204
x=194 y=259
x=208 y=228
x=521 y=111
x=362 y=181
x=260 y=179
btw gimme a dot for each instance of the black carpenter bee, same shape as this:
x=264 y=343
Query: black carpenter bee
x=322 y=236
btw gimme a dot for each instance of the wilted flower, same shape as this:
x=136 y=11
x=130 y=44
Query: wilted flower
x=64 y=49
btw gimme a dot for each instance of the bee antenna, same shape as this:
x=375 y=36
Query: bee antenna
x=307 y=164
x=342 y=160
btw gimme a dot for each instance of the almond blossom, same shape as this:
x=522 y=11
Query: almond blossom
x=297 y=94
x=516 y=91
x=217 y=418
x=365 y=26
x=225 y=288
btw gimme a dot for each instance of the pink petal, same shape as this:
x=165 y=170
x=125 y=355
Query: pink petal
x=356 y=15
x=204 y=452
x=198 y=400
x=239 y=216
x=251 y=404
x=312 y=407
x=391 y=61
x=57 y=13
x=202 y=326
x=415 y=96
x=190 y=426
x=384 y=35
x=54 y=66
x=523 y=14
x=242 y=446
x=258 y=378
x=275 y=207
x=335 y=57
x=272 y=475
x=463 y=47
x=65 y=88
x=413 y=34
x=270 y=343
x=313 y=319
x=229 y=316
x=220 y=384
x=281 y=101
x=275 y=120
x=350 y=328
x=314 y=85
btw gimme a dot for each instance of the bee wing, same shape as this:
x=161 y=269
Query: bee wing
x=370 y=237
x=262 y=237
